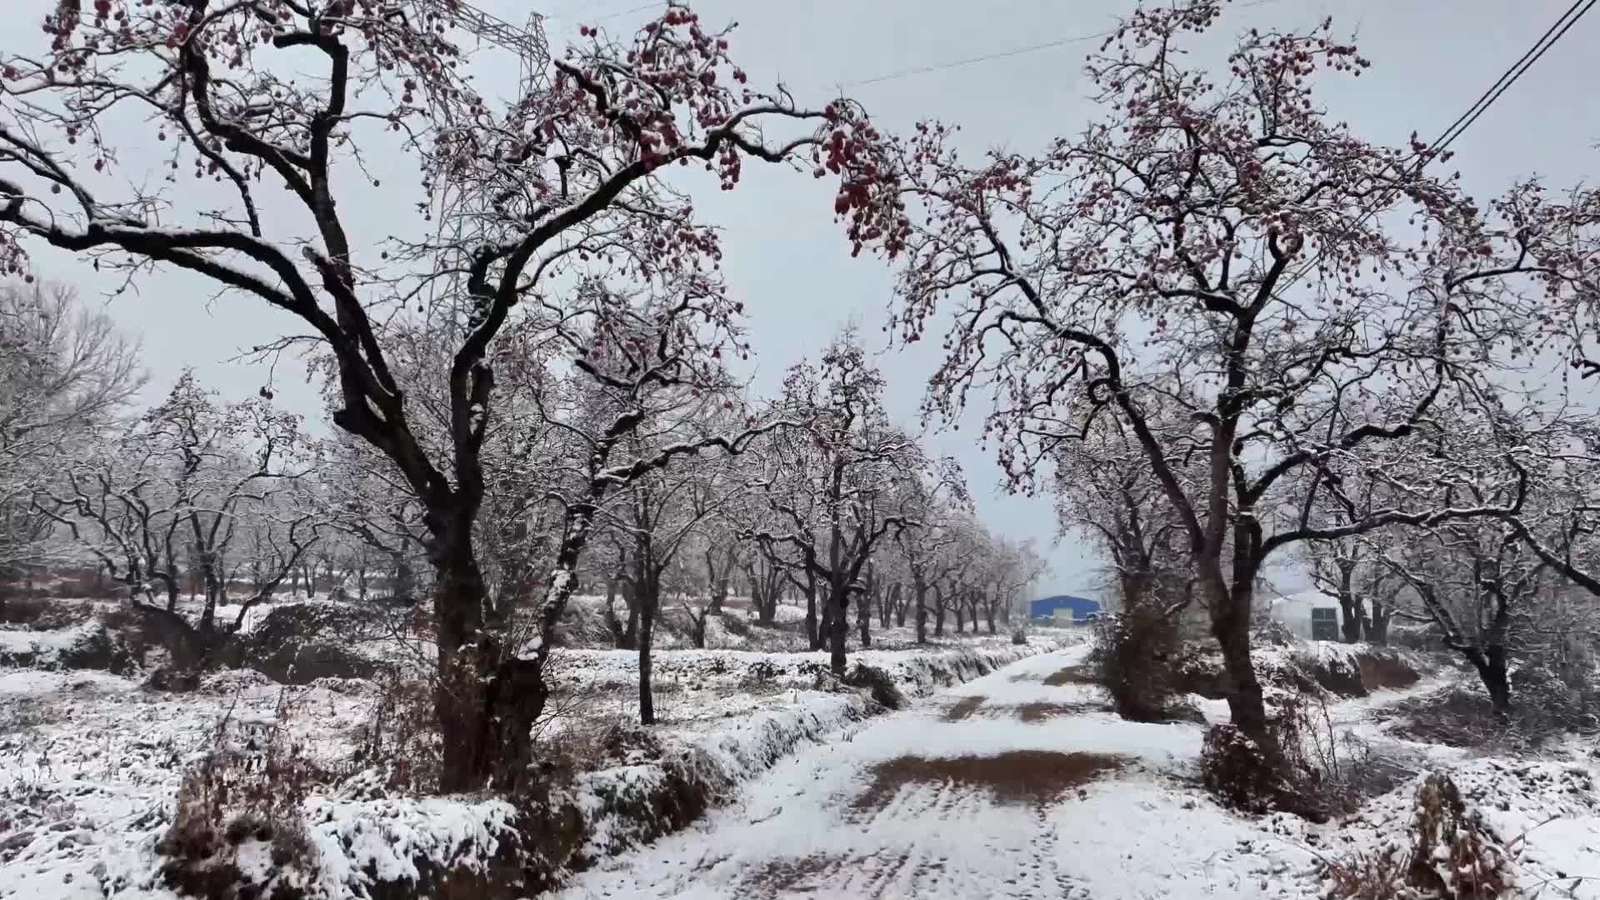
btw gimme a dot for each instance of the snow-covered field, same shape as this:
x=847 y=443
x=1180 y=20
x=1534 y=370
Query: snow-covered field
x=1014 y=783
x=91 y=763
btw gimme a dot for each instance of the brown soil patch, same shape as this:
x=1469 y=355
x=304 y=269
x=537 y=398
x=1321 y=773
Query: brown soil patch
x=1379 y=672
x=1071 y=675
x=1038 y=712
x=964 y=708
x=1015 y=777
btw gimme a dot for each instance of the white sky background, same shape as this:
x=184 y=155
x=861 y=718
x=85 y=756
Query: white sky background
x=787 y=258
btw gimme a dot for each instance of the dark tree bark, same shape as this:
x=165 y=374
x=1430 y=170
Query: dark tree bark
x=649 y=600
x=920 y=589
x=864 y=621
x=1490 y=664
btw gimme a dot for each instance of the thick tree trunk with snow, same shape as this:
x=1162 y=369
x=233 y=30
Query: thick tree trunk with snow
x=920 y=588
x=1376 y=624
x=1490 y=663
x=1230 y=625
x=813 y=635
x=488 y=695
x=838 y=624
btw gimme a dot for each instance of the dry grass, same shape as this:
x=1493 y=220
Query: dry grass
x=1071 y=675
x=1038 y=712
x=964 y=708
x=1015 y=777
x=1380 y=672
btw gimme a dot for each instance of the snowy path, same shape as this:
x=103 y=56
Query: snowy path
x=915 y=804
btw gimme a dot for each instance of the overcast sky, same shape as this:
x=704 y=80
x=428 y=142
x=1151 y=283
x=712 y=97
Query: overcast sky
x=785 y=255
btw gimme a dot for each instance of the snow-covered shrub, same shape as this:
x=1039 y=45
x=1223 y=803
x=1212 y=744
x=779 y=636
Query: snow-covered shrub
x=1367 y=875
x=1547 y=704
x=1330 y=773
x=1134 y=653
x=239 y=823
x=879 y=684
x=1241 y=773
x=1454 y=853
x=400 y=740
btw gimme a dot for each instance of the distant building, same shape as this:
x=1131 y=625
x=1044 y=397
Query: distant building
x=1064 y=609
x=1309 y=614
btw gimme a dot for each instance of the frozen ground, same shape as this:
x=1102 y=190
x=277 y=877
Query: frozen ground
x=90 y=763
x=1078 y=803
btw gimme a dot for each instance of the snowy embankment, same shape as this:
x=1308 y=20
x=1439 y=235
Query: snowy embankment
x=90 y=768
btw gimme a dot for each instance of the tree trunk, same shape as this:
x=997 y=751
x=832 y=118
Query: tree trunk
x=487 y=699
x=613 y=624
x=922 y=613
x=989 y=615
x=648 y=600
x=938 y=620
x=960 y=619
x=1230 y=624
x=838 y=627
x=813 y=632
x=864 y=620
x=1377 y=624
x=403 y=587
x=1349 y=618
x=1491 y=665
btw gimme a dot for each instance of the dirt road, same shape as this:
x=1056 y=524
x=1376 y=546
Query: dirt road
x=1017 y=784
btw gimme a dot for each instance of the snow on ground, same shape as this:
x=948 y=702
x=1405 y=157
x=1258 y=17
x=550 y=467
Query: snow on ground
x=90 y=766
x=843 y=820
x=90 y=763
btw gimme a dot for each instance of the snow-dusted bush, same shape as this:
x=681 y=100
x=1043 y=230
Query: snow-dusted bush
x=1449 y=852
x=1241 y=774
x=1134 y=652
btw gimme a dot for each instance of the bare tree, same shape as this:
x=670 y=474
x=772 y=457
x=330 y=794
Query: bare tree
x=555 y=187
x=193 y=480
x=64 y=373
x=832 y=485
x=1222 y=245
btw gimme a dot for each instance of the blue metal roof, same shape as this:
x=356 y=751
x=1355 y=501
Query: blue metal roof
x=1081 y=607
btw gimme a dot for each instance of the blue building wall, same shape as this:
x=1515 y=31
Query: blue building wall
x=1082 y=608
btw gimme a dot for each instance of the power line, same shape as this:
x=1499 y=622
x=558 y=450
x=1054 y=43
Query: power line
x=973 y=60
x=1464 y=121
x=1006 y=54
x=1506 y=80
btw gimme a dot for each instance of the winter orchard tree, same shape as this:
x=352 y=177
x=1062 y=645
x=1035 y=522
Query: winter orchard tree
x=1013 y=567
x=193 y=482
x=659 y=513
x=833 y=483
x=787 y=505
x=377 y=516
x=1219 y=245
x=939 y=504
x=64 y=372
x=1105 y=486
x=1350 y=570
x=560 y=185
